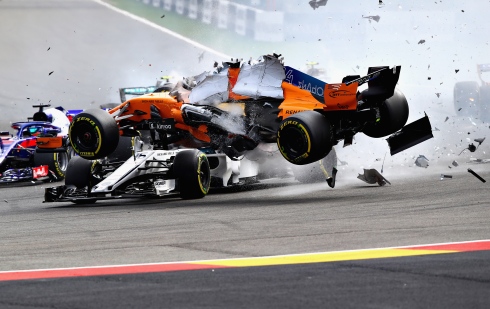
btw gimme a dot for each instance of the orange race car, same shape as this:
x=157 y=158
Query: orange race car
x=242 y=104
x=235 y=118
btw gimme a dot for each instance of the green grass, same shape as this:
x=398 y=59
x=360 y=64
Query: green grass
x=224 y=41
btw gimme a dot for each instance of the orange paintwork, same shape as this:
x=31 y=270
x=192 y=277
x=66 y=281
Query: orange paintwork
x=297 y=100
x=232 y=79
x=49 y=142
x=166 y=104
x=340 y=97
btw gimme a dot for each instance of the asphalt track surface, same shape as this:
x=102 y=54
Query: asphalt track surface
x=277 y=217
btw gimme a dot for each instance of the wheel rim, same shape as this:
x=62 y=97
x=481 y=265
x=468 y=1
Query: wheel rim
x=62 y=159
x=85 y=137
x=292 y=142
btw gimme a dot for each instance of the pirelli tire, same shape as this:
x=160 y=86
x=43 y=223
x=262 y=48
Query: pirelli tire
x=94 y=134
x=79 y=174
x=466 y=98
x=191 y=168
x=304 y=137
x=394 y=113
x=57 y=163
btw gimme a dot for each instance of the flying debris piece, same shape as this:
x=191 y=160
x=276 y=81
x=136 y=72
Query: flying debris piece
x=476 y=175
x=460 y=109
x=49 y=48
x=51 y=72
x=162 y=16
x=438 y=94
x=436 y=129
x=372 y=176
x=376 y=18
x=200 y=57
x=380 y=2
x=422 y=161
x=410 y=135
x=479 y=140
x=455 y=163
x=446 y=176
x=421 y=42
x=447 y=118
x=329 y=167
x=317 y=3
x=471 y=148
x=456 y=70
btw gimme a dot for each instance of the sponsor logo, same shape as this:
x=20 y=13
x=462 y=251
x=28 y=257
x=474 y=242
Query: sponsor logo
x=291 y=112
x=160 y=126
x=40 y=171
x=339 y=93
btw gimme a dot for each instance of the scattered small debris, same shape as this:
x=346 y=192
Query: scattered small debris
x=456 y=70
x=479 y=140
x=460 y=109
x=429 y=78
x=49 y=48
x=422 y=161
x=443 y=176
x=455 y=163
x=380 y=2
x=421 y=42
x=372 y=176
x=476 y=175
x=376 y=18
x=51 y=72
x=5 y=201
x=436 y=129
x=438 y=94
x=317 y=3
x=162 y=16
x=447 y=118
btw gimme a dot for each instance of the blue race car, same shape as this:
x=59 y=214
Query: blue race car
x=18 y=157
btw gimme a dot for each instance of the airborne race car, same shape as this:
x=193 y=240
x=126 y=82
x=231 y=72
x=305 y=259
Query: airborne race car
x=18 y=157
x=230 y=114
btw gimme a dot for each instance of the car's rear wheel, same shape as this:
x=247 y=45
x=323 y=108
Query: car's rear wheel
x=57 y=163
x=393 y=116
x=191 y=168
x=304 y=138
x=94 y=134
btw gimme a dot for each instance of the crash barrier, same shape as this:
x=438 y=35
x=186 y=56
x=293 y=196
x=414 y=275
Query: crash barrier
x=261 y=25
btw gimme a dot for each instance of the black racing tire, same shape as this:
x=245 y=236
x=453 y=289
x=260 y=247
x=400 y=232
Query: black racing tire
x=393 y=116
x=94 y=134
x=304 y=137
x=79 y=172
x=57 y=163
x=466 y=98
x=191 y=168
x=123 y=151
x=485 y=103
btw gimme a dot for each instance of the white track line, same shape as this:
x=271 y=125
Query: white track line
x=162 y=29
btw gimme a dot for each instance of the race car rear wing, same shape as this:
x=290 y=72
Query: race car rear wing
x=135 y=91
